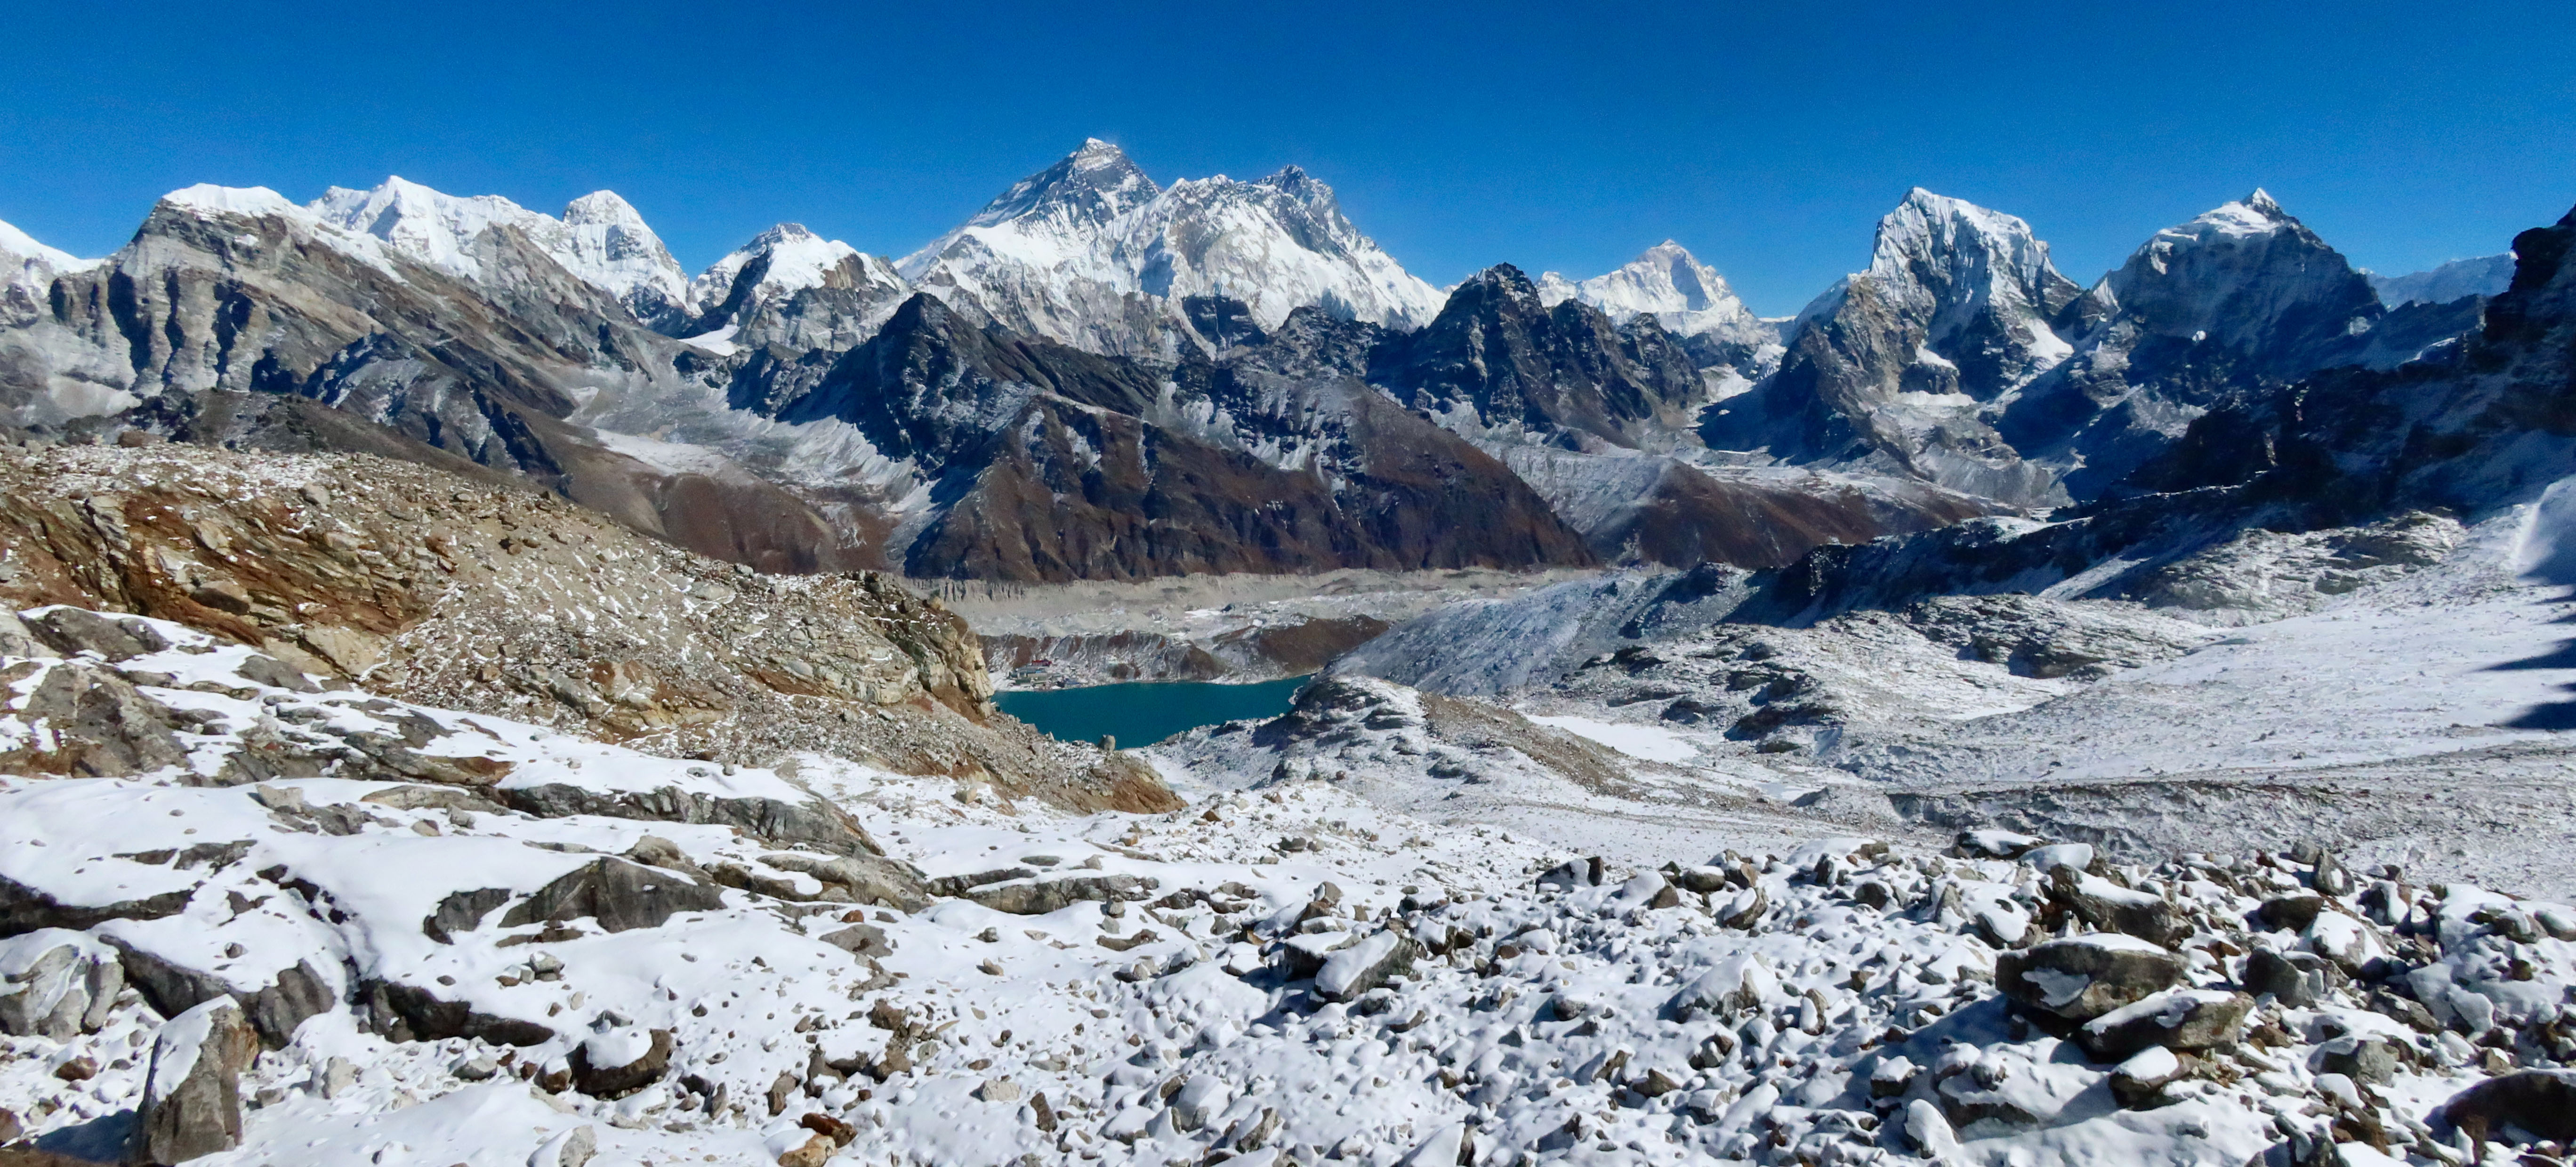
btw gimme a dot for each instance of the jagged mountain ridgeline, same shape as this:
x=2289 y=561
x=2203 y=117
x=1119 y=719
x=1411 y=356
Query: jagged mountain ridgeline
x=1102 y=377
x=476 y=693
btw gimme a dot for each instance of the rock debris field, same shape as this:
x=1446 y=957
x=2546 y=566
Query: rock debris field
x=481 y=941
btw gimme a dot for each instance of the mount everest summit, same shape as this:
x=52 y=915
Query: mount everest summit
x=801 y=404
x=1091 y=253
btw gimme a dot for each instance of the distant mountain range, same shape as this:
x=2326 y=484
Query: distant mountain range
x=1098 y=376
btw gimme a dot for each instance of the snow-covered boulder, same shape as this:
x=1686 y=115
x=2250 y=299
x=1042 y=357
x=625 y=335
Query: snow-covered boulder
x=2140 y=1081
x=1740 y=985
x=2083 y=977
x=55 y=984
x=2112 y=908
x=621 y=1060
x=2181 y=1019
x=1366 y=965
x=192 y=1101
x=620 y=895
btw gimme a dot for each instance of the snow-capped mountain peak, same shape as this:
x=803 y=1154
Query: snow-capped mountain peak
x=757 y=294
x=2255 y=214
x=601 y=239
x=427 y=224
x=1066 y=254
x=1687 y=297
x=206 y=201
x=612 y=248
x=25 y=263
x=1048 y=215
x=22 y=247
x=2238 y=272
x=1664 y=278
x=1949 y=258
x=207 y=198
x=791 y=259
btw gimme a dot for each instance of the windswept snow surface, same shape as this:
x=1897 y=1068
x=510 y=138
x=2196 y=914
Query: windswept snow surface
x=2274 y=692
x=1636 y=741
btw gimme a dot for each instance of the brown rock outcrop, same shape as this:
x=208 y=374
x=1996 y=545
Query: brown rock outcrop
x=449 y=590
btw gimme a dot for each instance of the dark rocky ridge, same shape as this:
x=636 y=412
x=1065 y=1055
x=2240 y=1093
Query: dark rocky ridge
x=1564 y=373
x=1056 y=464
x=2490 y=425
x=218 y=315
x=1318 y=444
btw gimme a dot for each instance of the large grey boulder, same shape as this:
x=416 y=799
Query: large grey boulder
x=1044 y=896
x=870 y=879
x=297 y=992
x=100 y=725
x=2361 y=1057
x=812 y=823
x=2080 y=978
x=1366 y=965
x=2180 y=1019
x=56 y=984
x=618 y=894
x=26 y=909
x=2112 y=908
x=2296 y=979
x=192 y=1096
x=72 y=631
x=405 y=1012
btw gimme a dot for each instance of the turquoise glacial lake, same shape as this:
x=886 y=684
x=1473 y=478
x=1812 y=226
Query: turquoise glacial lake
x=1143 y=712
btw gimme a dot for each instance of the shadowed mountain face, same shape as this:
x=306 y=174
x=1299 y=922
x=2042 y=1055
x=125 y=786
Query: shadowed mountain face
x=1962 y=358
x=227 y=298
x=1050 y=463
x=2244 y=297
x=911 y=433
x=2484 y=423
x=1892 y=369
x=1101 y=376
x=1504 y=363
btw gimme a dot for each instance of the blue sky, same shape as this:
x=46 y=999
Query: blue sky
x=1768 y=138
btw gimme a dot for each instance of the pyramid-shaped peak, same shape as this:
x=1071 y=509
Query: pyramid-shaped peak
x=602 y=206
x=1094 y=183
x=2255 y=214
x=396 y=186
x=1096 y=154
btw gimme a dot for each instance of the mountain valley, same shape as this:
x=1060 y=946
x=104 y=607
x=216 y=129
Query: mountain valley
x=477 y=693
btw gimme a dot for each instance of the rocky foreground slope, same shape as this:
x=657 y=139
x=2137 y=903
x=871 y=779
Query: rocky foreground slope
x=491 y=597
x=542 y=949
